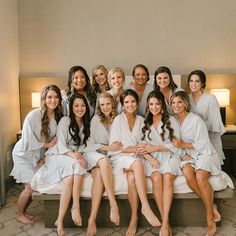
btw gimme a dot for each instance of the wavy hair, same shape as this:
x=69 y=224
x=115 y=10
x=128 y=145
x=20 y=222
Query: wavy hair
x=88 y=88
x=58 y=112
x=74 y=129
x=98 y=109
x=116 y=69
x=184 y=96
x=163 y=69
x=148 y=121
x=95 y=85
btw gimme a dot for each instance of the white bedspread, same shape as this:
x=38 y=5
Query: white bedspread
x=218 y=183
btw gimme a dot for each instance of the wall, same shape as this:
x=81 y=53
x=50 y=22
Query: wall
x=183 y=34
x=9 y=87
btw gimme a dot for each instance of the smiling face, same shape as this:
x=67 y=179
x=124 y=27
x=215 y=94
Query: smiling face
x=140 y=76
x=52 y=99
x=130 y=104
x=105 y=105
x=155 y=106
x=100 y=77
x=79 y=81
x=117 y=80
x=79 y=108
x=163 y=80
x=195 y=84
x=178 y=105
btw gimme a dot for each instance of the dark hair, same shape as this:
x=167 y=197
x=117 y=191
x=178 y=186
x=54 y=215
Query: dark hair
x=201 y=75
x=184 y=96
x=58 y=112
x=74 y=129
x=143 y=67
x=164 y=69
x=148 y=121
x=88 y=88
x=126 y=93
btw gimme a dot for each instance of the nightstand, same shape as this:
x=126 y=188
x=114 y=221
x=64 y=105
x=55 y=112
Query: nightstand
x=229 y=148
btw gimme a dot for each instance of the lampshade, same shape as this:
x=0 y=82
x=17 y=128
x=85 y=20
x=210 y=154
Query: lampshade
x=35 y=98
x=222 y=95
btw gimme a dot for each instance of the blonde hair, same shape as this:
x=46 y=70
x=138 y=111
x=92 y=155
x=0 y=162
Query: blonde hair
x=184 y=96
x=98 y=109
x=113 y=70
x=95 y=85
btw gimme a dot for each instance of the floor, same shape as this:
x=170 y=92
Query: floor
x=9 y=226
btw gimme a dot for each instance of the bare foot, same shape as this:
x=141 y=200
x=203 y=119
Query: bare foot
x=211 y=229
x=151 y=218
x=24 y=220
x=216 y=214
x=29 y=216
x=92 y=228
x=114 y=214
x=76 y=217
x=164 y=231
x=60 y=228
x=132 y=229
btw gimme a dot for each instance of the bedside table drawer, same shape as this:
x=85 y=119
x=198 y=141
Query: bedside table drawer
x=229 y=141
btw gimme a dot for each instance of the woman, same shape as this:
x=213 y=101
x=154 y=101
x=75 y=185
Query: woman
x=69 y=158
x=99 y=79
x=100 y=133
x=163 y=81
x=206 y=106
x=78 y=82
x=126 y=128
x=38 y=134
x=162 y=158
x=200 y=160
x=141 y=86
x=116 y=77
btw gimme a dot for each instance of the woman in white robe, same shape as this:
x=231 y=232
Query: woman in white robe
x=206 y=106
x=38 y=134
x=70 y=159
x=141 y=86
x=100 y=79
x=102 y=177
x=126 y=128
x=78 y=82
x=200 y=160
x=162 y=159
x=163 y=81
x=116 y=78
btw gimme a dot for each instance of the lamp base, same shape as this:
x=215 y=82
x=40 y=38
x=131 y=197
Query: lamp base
x=223 y=115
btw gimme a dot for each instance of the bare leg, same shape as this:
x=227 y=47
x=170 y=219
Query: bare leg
x=168 y=188
x=134 y=202
x=22 y=203
x=64 y=203
x=190 y=175
x=108 y=181
x=202 y=177
x=75 y=210
x=26 y=206
x=96 y=193
x=140 y=180
x=157 y=190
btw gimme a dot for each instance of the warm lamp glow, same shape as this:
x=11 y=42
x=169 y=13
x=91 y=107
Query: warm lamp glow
x=222 y=95
x=35 y=98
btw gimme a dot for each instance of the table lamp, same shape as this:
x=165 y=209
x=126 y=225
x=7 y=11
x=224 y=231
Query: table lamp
x=223 y=97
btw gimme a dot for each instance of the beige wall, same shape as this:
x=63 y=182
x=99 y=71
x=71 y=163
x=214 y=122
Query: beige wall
x=9 y=87
x=183 y=34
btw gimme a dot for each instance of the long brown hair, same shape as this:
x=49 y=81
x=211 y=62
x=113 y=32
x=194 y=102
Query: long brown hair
x=165 y=117
x=58 y=112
